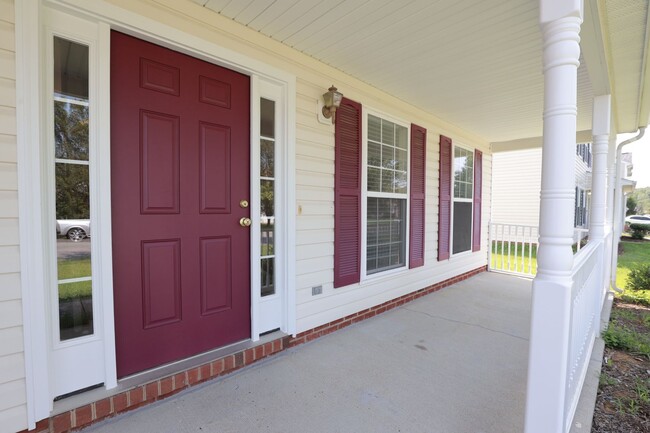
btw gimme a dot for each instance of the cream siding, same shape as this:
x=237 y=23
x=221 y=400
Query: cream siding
x=517 y=182
x=13 y=409
x=315 y=166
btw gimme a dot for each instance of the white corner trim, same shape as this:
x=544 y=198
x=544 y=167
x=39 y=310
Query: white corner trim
x=32 y=274
x=290 y=205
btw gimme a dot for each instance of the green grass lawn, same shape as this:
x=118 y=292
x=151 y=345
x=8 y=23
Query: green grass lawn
x=74 y=268
x=634 y=253
x=503 y=258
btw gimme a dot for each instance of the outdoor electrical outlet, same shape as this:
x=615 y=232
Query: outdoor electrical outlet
x=316 y=290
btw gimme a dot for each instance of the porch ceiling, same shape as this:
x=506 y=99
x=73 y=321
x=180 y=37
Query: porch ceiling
x=474 y=63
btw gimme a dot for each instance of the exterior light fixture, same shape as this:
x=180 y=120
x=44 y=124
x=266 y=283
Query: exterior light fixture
x=332 y=101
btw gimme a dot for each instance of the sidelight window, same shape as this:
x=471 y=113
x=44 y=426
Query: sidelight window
x=72 y=188
x=267 y=195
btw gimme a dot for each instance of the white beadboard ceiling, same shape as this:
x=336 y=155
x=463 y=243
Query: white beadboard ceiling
x=474 y=63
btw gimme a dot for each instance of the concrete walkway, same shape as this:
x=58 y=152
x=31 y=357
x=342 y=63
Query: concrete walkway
x=451 y=362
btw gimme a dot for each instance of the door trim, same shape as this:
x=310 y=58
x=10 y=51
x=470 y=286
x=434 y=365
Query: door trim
x=30 y=18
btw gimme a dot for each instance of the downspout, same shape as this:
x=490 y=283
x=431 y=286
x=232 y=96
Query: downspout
x=617 y=226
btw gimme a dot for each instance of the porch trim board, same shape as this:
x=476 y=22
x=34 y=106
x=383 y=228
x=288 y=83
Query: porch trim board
x=152 y=391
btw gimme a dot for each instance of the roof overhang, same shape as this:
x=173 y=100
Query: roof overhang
x=476 y=64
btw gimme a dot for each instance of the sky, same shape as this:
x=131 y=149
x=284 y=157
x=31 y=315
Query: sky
x=640 y=158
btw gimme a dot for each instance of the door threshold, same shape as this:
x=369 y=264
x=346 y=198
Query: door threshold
x=82 y=398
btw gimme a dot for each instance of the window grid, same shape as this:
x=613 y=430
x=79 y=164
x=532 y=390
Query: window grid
x=387 y=187
x=463 y=173
x=386 y=236
x=462 y=202
x=387 y=156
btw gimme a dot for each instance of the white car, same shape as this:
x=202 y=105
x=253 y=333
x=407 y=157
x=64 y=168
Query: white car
x=638 y=219
x=75 y=230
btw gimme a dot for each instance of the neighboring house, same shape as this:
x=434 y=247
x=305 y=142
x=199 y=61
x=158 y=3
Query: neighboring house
x=517 y=182
x=232 y=218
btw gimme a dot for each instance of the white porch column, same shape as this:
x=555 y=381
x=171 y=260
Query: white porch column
x=600 y=129
x=551 y=305
x=611 y=181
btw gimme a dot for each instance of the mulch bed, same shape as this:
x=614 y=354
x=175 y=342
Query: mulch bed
x=623 y=403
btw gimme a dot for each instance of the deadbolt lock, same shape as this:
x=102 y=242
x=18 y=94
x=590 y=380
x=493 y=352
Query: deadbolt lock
x=243 y=203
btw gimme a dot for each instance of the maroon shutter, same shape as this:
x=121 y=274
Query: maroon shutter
x=347 y=194
x=478 y=177
x=444 y=208
x=418 y=175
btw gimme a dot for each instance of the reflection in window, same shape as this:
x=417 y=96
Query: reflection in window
x=462 y=201
x=72 y=186
x=386 y=237
x=267 y=195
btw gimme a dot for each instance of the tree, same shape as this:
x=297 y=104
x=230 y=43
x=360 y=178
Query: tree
x=72 y=179
x=631 y=206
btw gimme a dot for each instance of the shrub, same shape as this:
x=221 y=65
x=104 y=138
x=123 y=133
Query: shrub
x=639 y=278
x=639 y=231
x=620 y=337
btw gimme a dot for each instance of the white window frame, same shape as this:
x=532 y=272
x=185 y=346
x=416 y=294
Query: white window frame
x=364 y=194
x=461 y=200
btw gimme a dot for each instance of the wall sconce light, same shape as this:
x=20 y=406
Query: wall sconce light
x=332 y=101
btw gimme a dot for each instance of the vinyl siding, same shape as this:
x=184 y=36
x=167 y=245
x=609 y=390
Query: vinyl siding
x=314 y=168
x=13 y=409
x=517 y=183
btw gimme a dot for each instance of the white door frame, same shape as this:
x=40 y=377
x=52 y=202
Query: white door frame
x=34 y=277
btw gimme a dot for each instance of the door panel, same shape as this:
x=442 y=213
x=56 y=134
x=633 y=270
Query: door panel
x=180 y=150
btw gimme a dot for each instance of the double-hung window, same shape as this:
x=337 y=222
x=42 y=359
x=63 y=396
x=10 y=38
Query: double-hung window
x=387 y=195
x=463 y=189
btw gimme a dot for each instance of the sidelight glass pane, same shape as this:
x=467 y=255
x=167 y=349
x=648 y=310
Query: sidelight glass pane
x=70 y=130
x=75 y=309
x=72 y=192
x=267 y=118
x=267 y=158
x=268 y=276
x=267 y=197
x=72 y=188
x=70 y=69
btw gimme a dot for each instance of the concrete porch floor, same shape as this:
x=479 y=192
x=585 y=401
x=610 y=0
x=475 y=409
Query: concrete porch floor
x=453 y=361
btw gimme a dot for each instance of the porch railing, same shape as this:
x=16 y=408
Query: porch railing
x=586 y=303
x=513 y=249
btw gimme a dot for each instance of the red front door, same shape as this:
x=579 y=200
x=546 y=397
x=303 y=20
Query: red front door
x=179 y=169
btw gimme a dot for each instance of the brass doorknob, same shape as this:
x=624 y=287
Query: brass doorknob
x=245 y=222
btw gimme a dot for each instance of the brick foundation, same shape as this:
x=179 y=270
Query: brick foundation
x=164 y=387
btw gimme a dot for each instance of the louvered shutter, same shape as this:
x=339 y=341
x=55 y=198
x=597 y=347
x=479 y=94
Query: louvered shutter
x=478 y=178
x=418 y=191
x=347 y=194
x=444 y=204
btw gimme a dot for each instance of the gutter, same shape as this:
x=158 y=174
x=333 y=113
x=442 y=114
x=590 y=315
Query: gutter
x=617 y=226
